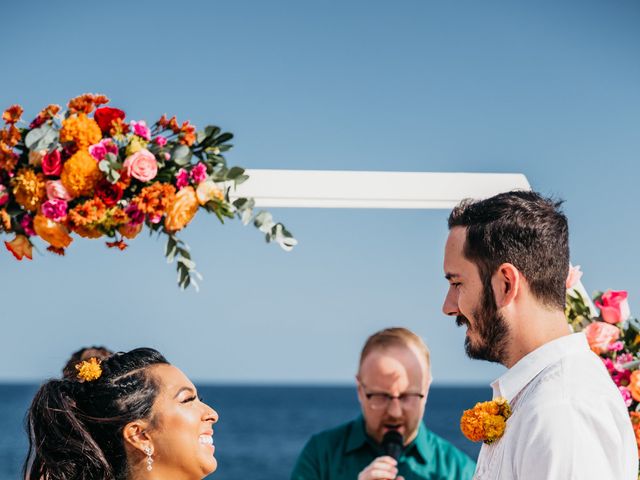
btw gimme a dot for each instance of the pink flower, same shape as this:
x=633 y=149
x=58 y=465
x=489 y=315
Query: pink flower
x=616 y=346
x=199 y=173
x=167 y=155
x=613 y=306
x=110 y=145
x=182 y=178
x=161 y=141
x=626 y=396
x=135 y=214
x=621 y=377
x=600 y=335
x=575 y=274
x=56 y=190
x=608 y=363
x=27 y=225
x=4 y=195
x=624 y=358
x=141 y=165
x=98 y=151
x=55 y=210
x=140 y=128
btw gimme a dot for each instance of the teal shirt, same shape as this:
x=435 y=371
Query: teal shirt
x=343 y=452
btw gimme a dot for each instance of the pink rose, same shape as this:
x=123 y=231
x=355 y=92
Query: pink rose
x=182 y=178
x=199 y=173
x=52 y=163
x=55 y=210
x=613 y=306
x=56 y=190
x=626 y=396
x=140 y=128
x=141 y=165
x=98 y=151
x=4 y=195
x=161 y=141
x=600 y=335
x=575 y=274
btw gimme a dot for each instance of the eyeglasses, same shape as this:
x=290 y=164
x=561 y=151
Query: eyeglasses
x=380 y=400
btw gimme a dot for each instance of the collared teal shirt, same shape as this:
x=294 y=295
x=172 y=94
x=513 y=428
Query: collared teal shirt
x=343 y=452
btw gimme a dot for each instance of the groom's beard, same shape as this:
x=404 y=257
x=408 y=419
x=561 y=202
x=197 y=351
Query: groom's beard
x=491 y=330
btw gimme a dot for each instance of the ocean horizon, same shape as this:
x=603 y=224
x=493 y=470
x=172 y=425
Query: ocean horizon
x=262 y=427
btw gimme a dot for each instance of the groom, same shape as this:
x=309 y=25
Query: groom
x=507 y=260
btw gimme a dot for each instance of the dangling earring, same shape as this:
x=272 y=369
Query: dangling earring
x=148 y=451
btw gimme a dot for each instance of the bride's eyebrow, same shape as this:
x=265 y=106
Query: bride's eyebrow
x=450 y=276
x=184 y=389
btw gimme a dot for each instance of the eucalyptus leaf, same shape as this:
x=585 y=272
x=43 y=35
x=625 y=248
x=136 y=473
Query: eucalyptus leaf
x=181 y=155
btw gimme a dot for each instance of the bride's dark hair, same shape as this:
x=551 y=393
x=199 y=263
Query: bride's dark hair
x=75 y=428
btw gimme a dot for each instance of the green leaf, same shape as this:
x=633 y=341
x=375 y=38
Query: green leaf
x=225 y=137
x=41 y=138
x=234 y=173
x=181 y=155
x=211 y=130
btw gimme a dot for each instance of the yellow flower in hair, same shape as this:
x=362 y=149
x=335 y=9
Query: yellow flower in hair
x=89 y=370
x=486 y=421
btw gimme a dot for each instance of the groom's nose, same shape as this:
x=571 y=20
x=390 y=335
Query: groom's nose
x=450 y=306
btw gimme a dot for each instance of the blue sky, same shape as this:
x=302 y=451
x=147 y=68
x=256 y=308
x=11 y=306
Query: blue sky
x=547 y=89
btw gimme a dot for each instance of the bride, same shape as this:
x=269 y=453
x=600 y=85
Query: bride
x=131 y=416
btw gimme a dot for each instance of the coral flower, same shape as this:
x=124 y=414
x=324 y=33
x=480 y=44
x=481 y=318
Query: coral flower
x=155 y=199
x=86 y=102
x=182 y=210
x=634 y=385
x=54 y=233
x=80 y=174
x=20 y=247
x=130 y=230
x=29 y=189
x=12 y=114
x=5 y=221
x=208 y=191
x=81 y=130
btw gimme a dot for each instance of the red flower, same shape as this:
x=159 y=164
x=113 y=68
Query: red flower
x=52 y=163
x=105 y=116
x=109 y=193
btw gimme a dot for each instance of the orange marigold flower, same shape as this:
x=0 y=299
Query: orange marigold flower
x=11 y=136
x=8 y=158
x=54 y=233
x=88 y=213
x=20 y=246
x=5 y=221
x=86 y=102
x=155 y=199
x=80 y=174
x=12 y=114
x=182 y=210
x=187 y=134
x=634 y=385
x=29 y=189
x=89 y=370
x=81 y=130
x=486 y=421
x=114 y=218
x=635 y=422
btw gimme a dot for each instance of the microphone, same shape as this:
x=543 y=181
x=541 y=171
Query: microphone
x=392 y=444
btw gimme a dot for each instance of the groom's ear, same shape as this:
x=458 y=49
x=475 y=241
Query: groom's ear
x=507 y=282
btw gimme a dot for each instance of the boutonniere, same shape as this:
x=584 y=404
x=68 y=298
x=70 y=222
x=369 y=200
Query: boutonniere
x=486 y=421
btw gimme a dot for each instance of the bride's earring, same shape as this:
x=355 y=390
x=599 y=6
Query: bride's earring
x=149 y=452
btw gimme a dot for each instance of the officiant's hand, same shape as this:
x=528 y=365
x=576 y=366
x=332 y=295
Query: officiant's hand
x=382 y=468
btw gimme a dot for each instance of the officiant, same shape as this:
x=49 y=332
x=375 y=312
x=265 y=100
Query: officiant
x=389 y=440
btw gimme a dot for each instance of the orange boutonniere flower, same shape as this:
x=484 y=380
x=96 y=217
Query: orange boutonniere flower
x=486 y=421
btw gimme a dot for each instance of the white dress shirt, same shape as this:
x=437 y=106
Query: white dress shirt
x=569 y=420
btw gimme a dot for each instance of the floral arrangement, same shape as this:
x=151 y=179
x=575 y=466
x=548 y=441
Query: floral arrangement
x=613 y=334
x=486 y=421
x=90 y=172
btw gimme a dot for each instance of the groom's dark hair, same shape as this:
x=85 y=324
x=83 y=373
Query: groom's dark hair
x=524 y=229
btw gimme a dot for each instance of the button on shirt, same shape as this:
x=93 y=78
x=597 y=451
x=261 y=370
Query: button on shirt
x=343 y=452
x=569 y=420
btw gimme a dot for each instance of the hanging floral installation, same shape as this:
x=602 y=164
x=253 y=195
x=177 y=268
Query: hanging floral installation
x=90 y=172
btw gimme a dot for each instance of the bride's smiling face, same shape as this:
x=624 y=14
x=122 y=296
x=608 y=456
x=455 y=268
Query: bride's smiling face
x=182 y=428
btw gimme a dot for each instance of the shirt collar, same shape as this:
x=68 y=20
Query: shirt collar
x=358 y=438
x=519 y=376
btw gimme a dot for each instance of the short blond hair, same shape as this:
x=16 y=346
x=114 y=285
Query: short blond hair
x=394 y=337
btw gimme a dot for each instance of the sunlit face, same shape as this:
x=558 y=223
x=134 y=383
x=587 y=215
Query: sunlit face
x=395 y=371
x=472 y=303
x=182 y=428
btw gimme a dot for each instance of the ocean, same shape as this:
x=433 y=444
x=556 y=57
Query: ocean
x=261 y=428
